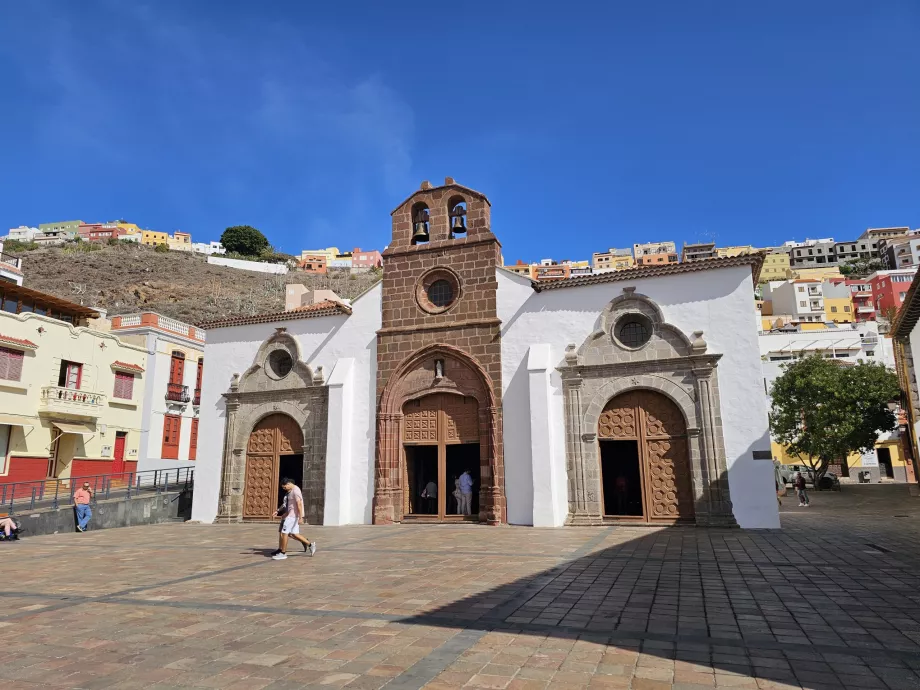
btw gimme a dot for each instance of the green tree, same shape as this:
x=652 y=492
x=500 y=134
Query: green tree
x=244 y=239
x=823 y=410
x=860 y=268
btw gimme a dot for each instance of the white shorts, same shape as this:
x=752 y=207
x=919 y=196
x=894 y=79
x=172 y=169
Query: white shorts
x=290 y=525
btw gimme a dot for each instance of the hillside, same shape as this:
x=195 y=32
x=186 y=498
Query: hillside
x=129 y=278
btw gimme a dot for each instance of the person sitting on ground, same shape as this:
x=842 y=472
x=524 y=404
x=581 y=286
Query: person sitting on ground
x=10 y=528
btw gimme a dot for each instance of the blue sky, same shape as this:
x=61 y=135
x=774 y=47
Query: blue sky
x=588 y=125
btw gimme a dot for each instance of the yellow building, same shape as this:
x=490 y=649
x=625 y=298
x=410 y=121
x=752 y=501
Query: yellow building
x=816 y=273
x=775 y=267
x=891 y=463
x=329 y=252
x=129 y=228
x=152 y=238
x=736 y=251
x=838 y=303
x=180 y=241
x=71 y=395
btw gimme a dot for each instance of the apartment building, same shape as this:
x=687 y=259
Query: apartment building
x=900 y=252
x=800 y=300
x=329 y=252
x=775 y=266
x=100 y=232
x=208 y=248
x=860 y=297
x=812 y=253
x=180 y=241
x=23 y=233
x=71 y=395
x=174 y=366
x=649 y=248
x=612 y=260
x=54 y=238
x=365 y=260
x=889 y=289
x=739 y=250
x=838 y=304
x=69 y=226
x=883 y=233
x=152 y=238
x=863 y=249
x=697 y=251
x=313 y=263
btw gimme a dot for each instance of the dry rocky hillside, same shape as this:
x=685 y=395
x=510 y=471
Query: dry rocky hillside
x=129 y=278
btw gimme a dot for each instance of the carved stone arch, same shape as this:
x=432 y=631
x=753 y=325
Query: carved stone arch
x=299 y=394
x=669 y=362
x=437 y=368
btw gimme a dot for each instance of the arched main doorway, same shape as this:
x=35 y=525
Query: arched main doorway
x=645 y=463
x=274 y=450
x=440 y=442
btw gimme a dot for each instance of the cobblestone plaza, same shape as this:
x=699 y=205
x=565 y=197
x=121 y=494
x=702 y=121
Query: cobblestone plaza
x=830 y=601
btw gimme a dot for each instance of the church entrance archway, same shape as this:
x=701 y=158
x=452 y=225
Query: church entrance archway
x=440 y=444
x=275 y=449
x=645 y=462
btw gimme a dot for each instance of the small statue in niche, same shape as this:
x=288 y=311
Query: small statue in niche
x=439 y=368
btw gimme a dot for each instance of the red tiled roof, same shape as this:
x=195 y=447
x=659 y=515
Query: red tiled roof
x=125 y=365
x=17 y=341
x=755 y=261
x=325 y=308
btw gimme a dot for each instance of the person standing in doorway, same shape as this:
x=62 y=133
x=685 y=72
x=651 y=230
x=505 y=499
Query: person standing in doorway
x=799 y=483
x=466 y=493
x=292 y=512
x=81 y=501
x=430 y=494
x=456 y=494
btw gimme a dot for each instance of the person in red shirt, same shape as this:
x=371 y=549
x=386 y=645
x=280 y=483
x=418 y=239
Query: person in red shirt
x=81 y=500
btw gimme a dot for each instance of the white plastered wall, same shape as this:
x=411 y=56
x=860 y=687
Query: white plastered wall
x=717 y=301
x=323 y=341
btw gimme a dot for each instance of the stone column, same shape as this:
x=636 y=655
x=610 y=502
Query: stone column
x=714 y=469
x=387 y=479
x=579 y=513
x=225 y=509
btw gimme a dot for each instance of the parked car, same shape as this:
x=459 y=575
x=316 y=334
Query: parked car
x=830 y=480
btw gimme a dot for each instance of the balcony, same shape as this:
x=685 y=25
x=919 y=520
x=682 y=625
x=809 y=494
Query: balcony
x=176 y=392
x=73 y=402
x=10 y=260
x=196 y=401
x=866 y=310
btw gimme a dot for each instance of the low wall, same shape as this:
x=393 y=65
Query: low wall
x=146 y=510
x=257 y=266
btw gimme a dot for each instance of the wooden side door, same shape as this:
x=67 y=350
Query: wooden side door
x=193 y=441
x=274 y=436
x=172 y=429
x=118 y=455
x=664 y=451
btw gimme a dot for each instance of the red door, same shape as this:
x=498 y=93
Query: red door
x=177 y=368
x=118 y=457
x=193 y=444
x=171 y=429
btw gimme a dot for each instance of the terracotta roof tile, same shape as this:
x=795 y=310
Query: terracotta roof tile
x=755 y=261
x=17 y=341
x=325 y=308
x=126 y=365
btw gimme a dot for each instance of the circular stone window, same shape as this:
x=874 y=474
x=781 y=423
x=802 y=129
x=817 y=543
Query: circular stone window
x=280 y=363
x=633 y=331
x=437 y=291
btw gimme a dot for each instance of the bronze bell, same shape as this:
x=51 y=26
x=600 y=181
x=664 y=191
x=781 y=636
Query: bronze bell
x=420 y=234
x=457 y=224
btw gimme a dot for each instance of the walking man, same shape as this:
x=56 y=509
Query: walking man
x=466 y=493
x=81 y=499
x=292 y=511
x=799 y=483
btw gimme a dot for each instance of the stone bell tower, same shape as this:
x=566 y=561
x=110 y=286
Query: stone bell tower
x=440 y=334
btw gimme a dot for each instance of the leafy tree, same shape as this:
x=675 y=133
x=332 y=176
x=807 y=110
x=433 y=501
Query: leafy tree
x=244 y=239
x=823 y=410
x=860 y=268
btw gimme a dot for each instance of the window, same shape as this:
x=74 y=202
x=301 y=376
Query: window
x=124 y=386
x=172 y=428
x=10 y=364
x=801 y=289
x=803 y=304
x=10 y=304
x=834 y=310
x=846 y=307
x=634 y=331
x=870 y=353
x=70 y=374
x=176 y=367
x=198 y=378
x=280 y=363
x=440 y=293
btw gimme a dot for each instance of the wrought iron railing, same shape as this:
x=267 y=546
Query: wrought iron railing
x=177 y=392
x=10 y=260
x=53 y=493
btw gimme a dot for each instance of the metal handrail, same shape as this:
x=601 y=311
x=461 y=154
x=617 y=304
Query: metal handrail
x=52 y=493
x=177 y=392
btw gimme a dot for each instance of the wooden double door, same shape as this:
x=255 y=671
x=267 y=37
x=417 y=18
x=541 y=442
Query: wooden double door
x=645 y=462
x=275 y=448
x=440 y=442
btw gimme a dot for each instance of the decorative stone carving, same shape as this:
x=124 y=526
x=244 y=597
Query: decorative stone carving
x=680 y=424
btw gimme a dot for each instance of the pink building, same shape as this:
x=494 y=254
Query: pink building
x=889 y=288
x=366 y=259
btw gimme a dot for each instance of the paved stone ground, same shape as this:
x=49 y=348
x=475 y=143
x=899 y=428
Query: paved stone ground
x=830 y=601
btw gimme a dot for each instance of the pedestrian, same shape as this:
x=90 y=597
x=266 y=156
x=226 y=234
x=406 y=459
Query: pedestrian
x=81 y=500
x=430 y=494
x=457 y=494
x=466 y=493
x=10 y=529
x=799 y=483
x=291 y=511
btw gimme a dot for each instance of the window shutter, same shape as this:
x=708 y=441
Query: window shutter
x=10 y=364
x=124 y=385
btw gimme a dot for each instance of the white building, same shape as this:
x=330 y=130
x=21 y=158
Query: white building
x=10 y=267
x=22 y=234
x=174 y=368
x=559 y=398
x=208 y=248
x=803 y=300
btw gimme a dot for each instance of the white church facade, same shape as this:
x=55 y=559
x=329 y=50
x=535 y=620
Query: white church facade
x=625 y=397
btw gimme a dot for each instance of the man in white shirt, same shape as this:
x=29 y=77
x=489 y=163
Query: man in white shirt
x=466 y=493
x=292 y=510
